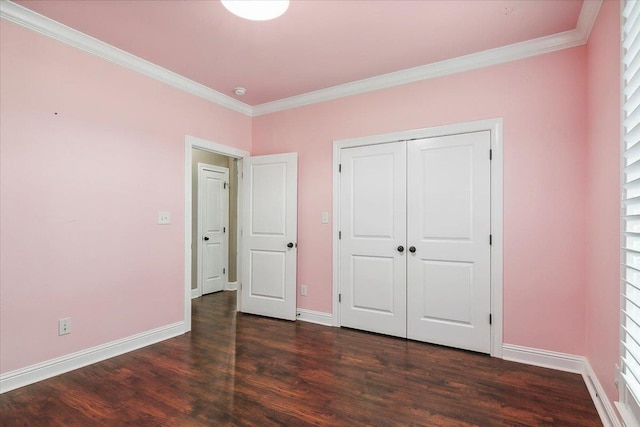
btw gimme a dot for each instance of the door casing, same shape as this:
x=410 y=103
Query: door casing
x=495 y=127
x=192 y=142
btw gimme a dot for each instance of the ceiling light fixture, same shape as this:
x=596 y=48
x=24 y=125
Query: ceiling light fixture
x=240 y=91
x=256 y=10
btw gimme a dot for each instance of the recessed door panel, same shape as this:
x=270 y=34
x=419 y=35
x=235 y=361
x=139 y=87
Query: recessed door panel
x=268 y=202
x=372 y=224
x=447 y=291
x=373 y=283
x=447 y=192
x=268 y=274
x=373 y=201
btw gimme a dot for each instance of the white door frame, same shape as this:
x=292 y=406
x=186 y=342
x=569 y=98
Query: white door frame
x=225 y=241
x=190 y=143
x=492 y=125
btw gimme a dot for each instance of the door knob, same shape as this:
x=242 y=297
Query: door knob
x=206 y=238
x=412 y=249
x=289 y=245
x=401 y=249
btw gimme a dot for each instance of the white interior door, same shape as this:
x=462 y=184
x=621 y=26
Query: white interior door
x=372 y=226
x=213 y=219
x=448 y=216
x=270 y=186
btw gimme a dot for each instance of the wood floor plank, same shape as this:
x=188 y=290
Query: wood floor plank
x=243 y=370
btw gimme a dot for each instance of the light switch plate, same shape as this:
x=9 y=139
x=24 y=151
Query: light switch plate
x=163 y=217
x=325 y=217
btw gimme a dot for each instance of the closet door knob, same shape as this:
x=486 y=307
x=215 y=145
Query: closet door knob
x=206 y=238
x=289 y=245
x=412 y=249
x=400 y=249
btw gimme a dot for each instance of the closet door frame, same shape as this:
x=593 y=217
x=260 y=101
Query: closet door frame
x=494 y=126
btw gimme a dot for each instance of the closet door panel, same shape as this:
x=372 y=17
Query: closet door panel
x=448 y=224
x=373 y=226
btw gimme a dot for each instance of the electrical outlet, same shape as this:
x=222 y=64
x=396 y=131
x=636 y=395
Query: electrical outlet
x=303 y=290
x=64 y=326
x=163 y=217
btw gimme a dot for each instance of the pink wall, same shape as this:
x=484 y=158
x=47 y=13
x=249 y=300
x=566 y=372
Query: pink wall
x=542 y=101
x=80 y=196
x=603 y=218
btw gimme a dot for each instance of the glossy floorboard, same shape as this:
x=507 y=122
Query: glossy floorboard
x=251 y=371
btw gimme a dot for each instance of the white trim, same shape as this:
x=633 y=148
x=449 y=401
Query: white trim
x=543 y=358
x=41 y=371
x=495 y=127
x=317 y=317
x=500 y=55
x=567 y=363
x=628 y=419
x=599 y=397
x=41 y=24
x=50 y=28
x=195 y=293
x=231 y=286
x=191 y=142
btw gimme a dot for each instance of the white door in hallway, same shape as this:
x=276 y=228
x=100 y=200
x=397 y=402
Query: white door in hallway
x=269 y=227
x=373 y=229
x=213 y=216
x=448 y=219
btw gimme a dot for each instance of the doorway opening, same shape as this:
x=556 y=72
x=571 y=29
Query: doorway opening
x=234 y=157
x=214 y=225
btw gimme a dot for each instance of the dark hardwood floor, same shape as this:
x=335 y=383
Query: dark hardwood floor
x=251 y=371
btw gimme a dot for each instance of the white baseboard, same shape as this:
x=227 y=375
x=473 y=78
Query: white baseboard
x=231 y=286
x=543 y=358
x=41 y=371
x=603 y=405
x=568 y=363
x=318 y=317
x=195 y=293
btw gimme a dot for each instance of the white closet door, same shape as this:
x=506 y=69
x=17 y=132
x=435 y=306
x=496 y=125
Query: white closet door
x=448 y=218
x=373 y=226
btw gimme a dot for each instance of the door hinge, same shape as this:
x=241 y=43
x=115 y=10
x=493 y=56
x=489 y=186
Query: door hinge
x=339 y=167
x=339 y=297
x=224 y=271
x=224 y=229
x=490 y=319
x=490 y=154
x=490 y=239
x=225 y=186
x=339 y=235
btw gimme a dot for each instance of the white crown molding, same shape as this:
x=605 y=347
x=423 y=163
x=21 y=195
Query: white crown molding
x=500 y=55
x=34 y=21
x=587 y=18
x=46 y=26
x=437 y=69
x=41 y=371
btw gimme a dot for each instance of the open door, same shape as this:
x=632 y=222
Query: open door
x=269 y=227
